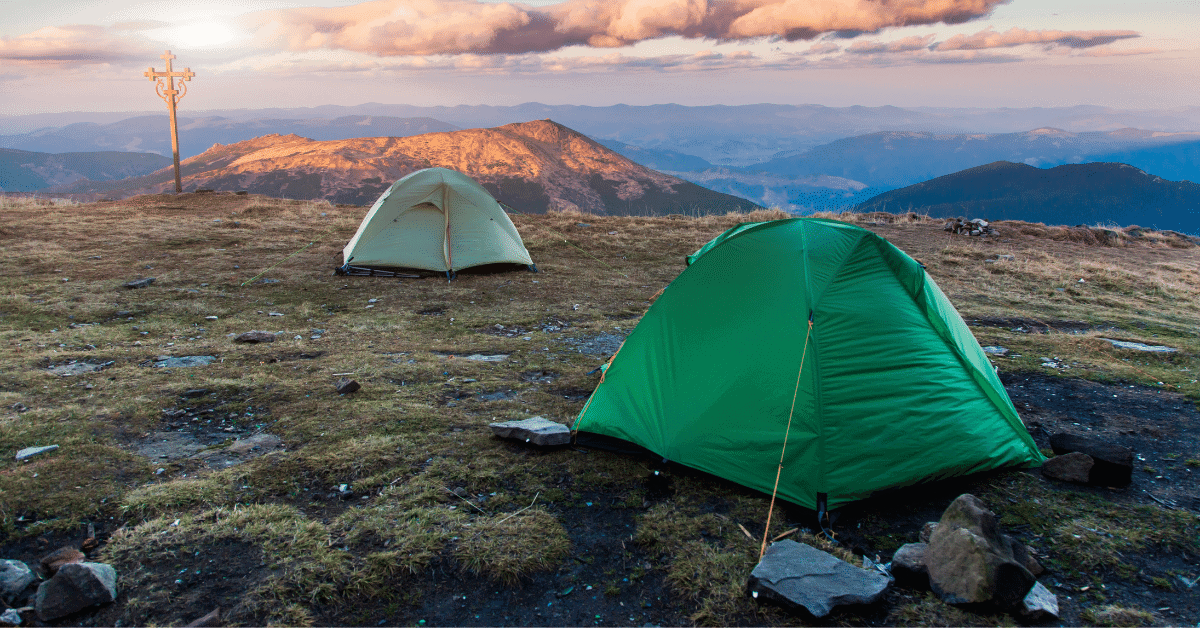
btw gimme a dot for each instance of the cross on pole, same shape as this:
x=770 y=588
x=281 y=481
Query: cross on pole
x=172 y=96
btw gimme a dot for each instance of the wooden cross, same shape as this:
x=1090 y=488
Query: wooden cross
x=172 y=97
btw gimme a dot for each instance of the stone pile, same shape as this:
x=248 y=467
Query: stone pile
x=1088 y=460
x=64 y=583
x=972 y=227
x=965 y=559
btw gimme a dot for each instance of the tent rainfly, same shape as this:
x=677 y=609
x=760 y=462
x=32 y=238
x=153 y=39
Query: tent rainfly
x=822 y=331
x=435 y=219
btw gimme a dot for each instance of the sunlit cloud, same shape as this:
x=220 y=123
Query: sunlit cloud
x=76 y=43
x=1018 y=36
x=426 y=27
x=907 y=44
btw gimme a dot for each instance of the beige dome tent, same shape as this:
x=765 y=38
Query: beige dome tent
x=434 y=219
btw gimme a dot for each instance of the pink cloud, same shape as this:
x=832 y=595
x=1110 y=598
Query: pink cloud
x=908 y=44
x=425 y=27
x=1019 y=36
x=76 y=44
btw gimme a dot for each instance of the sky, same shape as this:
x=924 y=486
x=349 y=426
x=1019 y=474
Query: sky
x=74 y=55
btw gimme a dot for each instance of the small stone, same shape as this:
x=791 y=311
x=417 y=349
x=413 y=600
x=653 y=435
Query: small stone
x=274 y=313
x=477 y=357
x=210 y=318
x=139 y=283
x=54 y=561
x=192 y=393
x=346 y=386
x=908 y=566
x=1040 y=604
x=537 y=430
x=801 y=576
x=255 y=336
x=14 y=577
x=10 y=617
x=75 y=587
x=184 y=361
x=30 y=452
x=992 y=350
x=1073 y=467
x=1113 y=463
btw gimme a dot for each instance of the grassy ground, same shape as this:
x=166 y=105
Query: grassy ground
x=379 y=505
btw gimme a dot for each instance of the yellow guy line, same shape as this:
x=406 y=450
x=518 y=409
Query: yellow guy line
x=779 y=471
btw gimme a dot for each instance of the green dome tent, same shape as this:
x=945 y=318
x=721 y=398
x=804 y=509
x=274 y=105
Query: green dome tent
x=435 y=219
x=894 y=389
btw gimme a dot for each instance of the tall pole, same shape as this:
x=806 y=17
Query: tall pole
x=172 y=97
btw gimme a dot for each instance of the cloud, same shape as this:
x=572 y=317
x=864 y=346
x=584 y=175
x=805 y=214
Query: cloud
x=77 y=43
x=1019 y=36
x=429 y=27
x=908 y=44
x=1108 y=51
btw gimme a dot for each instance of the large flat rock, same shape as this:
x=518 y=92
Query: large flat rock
x=802 y=576
x=538 y=430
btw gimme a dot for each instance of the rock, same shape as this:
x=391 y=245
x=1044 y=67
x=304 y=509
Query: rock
x=1137 y=346
x=970 y=561
x=213 y=618
x=908 y=565
x=184 y=361
x=346 y=386
x=255 y=336
x=192 y=393
x=927 y=531
x=29 y=452
x=54 y=561
x=537 y=430
x=801 y=576
x=10 y=617
x=500 y=357
x=1040 y=604
x=261 y=441
x=75 y=587
x=1072 y=467
x=139 y=283
x=991 y=350
x=79 y=368
x=14 y=577
x=1113 y=463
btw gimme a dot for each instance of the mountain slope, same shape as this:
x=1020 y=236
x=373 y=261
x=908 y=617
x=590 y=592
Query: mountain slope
x=532 y=166
x=1092 y=193
x=24 y=171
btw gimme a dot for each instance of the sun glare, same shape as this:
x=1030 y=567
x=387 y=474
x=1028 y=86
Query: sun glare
x=198 y=35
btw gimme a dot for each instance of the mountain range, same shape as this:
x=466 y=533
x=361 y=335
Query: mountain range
x=532 y=166
x=722 y=135
x=25 y=171
x=1091 y=193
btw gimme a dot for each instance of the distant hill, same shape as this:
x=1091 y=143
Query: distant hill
x=894 y=159
x=532 y=166
x=1071 y=194
x=196 y=135
x=25 y=171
